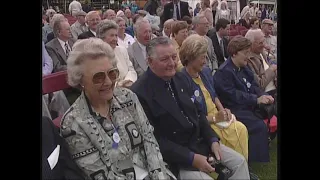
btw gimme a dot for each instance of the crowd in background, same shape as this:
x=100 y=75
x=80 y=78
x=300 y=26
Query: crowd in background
x=167 y=89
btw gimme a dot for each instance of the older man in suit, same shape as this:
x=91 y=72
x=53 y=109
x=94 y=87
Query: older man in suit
x=265 y=72
x=220 y=43
x=137 y=51
x=79 y=26
x=175 y=10
x=60 y=47
x=92 y=19
x=185 y=138
x=201 y=27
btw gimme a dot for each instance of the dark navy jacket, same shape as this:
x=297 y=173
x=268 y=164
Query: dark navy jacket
x=207 y=80
x=236 y=87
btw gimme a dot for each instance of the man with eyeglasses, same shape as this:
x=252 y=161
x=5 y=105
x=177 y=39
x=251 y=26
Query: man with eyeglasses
x=92 y=19
x=201 y=27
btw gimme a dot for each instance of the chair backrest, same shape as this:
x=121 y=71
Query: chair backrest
x=233 y=27
x=244 y=32
x=240 y=28
x=233 y=33
x=71 y=20
x=54 y=82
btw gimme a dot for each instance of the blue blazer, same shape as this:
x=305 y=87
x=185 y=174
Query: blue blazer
x=207 y=80
x=236 y=87
x=177 y=138
x=129 y=30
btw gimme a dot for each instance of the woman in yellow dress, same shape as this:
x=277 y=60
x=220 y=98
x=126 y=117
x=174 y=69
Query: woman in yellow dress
x=232 y=133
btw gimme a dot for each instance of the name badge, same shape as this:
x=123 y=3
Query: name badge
x=196 y=93
x=116 y=137
x=248 y=85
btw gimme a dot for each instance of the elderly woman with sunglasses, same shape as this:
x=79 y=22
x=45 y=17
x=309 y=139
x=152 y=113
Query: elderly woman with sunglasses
x=233 y=133
x=106 y=129
x=107 y=30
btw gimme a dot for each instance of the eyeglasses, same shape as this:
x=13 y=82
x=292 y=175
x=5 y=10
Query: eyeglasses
x=100 y=77
x=94 y=20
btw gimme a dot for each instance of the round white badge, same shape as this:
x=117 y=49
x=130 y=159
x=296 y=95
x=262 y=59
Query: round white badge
x=196 y=93
x=135 y=133
x=116 y=137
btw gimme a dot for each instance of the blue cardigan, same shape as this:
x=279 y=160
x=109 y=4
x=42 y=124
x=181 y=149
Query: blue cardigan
x=207 y=80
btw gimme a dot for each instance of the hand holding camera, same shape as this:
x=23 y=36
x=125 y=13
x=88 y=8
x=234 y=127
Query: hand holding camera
x=200 y=162
x=223 y=171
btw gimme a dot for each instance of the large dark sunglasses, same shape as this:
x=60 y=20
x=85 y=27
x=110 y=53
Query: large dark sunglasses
x=100 y=77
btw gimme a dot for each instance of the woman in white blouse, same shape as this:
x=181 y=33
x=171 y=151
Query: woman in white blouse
x=223 y=12
x=124 y=39
x=107 y=30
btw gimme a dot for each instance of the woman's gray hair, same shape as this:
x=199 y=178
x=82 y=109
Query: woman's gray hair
x=86 y=49
x=119 y=19
x=105 y=26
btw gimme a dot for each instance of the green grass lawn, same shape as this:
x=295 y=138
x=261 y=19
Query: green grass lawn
x=266 y=171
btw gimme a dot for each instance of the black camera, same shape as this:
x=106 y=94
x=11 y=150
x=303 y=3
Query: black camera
x=223 y=171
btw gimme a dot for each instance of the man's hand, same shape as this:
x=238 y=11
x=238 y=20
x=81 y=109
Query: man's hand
x=265 y=99
x=215 y=148
x=200 y=162
x=273 y=67
x=271 y=99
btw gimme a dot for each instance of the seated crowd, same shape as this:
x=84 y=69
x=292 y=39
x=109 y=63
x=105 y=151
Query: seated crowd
x=187 y=103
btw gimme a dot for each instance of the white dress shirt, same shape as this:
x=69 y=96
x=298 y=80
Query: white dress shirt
x=144 y=50
x=219 y=40
x=128 y=40
x=271 y=85
x=271 y=41
x=62 y=43
x=174 y=16
x=94 y=33
x=124 y=65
